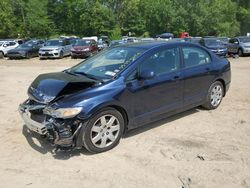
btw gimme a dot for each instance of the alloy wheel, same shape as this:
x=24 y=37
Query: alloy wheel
x=105 y=131
x=216 y=95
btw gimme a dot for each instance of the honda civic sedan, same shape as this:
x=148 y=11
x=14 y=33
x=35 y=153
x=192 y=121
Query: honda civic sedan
x=95 y=102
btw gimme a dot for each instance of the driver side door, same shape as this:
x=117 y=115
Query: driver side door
x=150 y=99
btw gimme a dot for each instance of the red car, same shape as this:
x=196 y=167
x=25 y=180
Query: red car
x=84 y=48
x=184 y=35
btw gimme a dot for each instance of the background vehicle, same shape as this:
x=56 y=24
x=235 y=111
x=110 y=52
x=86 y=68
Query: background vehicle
x=84 y=48
x=6 y=45
x=26 y=50
x=224 y=40
x=93 y=103
x=101 y=45
x=165 y=36
x=215 y=45
x=239 y=45
x=56 y=48
x=195 y=40
x=147 y=39
x=114 y=43
x=184 y=35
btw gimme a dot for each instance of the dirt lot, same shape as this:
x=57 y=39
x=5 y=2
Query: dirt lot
x=197 y=148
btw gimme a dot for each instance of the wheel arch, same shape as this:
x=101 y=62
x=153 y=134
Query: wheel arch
x=123 y=112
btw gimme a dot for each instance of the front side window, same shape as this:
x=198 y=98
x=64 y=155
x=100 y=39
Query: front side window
x=163 y=61
x=195 y=56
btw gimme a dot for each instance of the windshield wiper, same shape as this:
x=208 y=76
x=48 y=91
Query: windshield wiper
x=89 y=76
x=69 y=72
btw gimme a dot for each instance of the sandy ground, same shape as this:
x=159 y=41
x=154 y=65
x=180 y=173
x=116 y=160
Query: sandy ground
x=197 y=148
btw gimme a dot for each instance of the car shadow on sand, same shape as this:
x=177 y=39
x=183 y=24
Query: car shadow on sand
x=38 y=143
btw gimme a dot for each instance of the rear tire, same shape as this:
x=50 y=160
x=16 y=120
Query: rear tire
x=215 y=96
x=103 y=131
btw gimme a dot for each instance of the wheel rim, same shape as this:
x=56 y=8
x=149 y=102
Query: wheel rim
x=105 y=131
x=216 y=95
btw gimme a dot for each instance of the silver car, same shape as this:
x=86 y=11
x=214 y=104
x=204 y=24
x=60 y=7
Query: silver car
x=7 y=45
x=56 y=48
x=239 y=45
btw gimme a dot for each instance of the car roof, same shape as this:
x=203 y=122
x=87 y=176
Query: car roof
x=154 y=44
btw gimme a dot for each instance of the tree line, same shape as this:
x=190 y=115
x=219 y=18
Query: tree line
x=50 y=18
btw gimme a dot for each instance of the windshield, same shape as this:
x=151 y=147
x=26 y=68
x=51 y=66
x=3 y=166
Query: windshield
x=54 y=43
x=26 y=45
x=213 y=42
x=245 y=39
x=108 y=63
x=224 y=40
x=82 y=43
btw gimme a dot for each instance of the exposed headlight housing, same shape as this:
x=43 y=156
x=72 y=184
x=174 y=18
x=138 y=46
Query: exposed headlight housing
x=63 y=112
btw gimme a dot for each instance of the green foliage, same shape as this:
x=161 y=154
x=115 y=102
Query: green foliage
x=46 y=18
x=116 y=34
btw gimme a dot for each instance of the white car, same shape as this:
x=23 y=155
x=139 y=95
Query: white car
x=5 y=46
x=56 y=48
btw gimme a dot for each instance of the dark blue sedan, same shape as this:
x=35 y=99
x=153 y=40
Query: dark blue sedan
x=95 y=102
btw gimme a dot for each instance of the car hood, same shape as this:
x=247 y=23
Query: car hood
x=47 y=87
x=246 y=44
x=50 y=47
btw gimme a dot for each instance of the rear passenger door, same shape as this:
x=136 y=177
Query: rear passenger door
x=197 y=74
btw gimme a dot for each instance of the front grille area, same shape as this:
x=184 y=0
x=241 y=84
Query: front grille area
x=46 y=55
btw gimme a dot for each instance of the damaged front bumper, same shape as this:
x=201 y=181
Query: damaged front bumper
x=59 y=132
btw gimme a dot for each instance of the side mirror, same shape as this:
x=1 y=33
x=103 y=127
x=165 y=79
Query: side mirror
x=5 y=45
x=147 y=74
x=236 y=42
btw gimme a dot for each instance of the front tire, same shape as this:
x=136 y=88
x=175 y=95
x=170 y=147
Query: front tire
x=240 y=53
x=1 y=55
x=103 y=131
x=215 y=96
x=61 y=55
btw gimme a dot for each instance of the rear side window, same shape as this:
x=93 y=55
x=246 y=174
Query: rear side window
x=195 y=56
